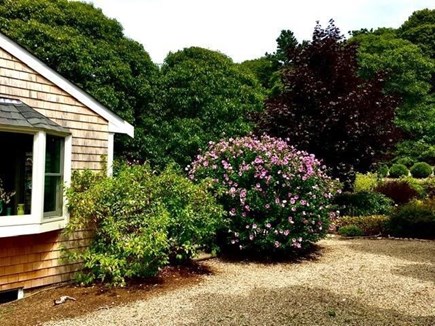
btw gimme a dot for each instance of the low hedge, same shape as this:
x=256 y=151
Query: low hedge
x=369 y=225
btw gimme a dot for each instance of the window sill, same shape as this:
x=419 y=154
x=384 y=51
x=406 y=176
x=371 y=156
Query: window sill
x=25 y=224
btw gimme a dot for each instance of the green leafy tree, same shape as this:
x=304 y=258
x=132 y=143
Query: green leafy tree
x=267 y=68
x=420 y=29
x=409 y=72
x=327 y=109
x=86 y=47
x=263 y=68
x=203 y=97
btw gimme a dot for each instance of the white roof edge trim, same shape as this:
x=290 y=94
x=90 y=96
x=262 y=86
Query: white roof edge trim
x=116 y=124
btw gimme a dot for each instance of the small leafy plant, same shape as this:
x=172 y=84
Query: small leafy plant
x=278 y=199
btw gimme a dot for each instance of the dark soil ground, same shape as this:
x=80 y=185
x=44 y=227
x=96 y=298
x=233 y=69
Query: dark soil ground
x=38 y=307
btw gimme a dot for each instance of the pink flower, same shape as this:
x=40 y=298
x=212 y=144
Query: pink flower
x=277 y=244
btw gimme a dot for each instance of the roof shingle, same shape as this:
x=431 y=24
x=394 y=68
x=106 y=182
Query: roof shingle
x=17 y=114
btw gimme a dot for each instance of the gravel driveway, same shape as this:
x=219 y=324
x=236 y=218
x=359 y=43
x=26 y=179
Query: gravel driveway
x=353 y=282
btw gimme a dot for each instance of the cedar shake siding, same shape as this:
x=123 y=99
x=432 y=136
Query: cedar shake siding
x=89 y=130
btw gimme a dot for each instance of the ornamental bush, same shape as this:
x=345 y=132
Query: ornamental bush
x=401 y=192
x=421 y=170
x=278 y=198
x=398 y=170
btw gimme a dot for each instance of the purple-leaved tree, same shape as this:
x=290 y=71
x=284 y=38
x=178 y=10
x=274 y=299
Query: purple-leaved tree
x=325 y=108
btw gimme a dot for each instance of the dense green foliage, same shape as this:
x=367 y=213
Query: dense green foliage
x=363 y=203
x=382 y=170
x=89 y=49
x=140 y=221
x=398 y=170
x=350 y=230
x=327 y=109
x=406 y=161
x=203 y=96
x=277 y=198
x=415 y=219
x=421 y=170
x=369 y=225
x=420 y=30
x=409 y=74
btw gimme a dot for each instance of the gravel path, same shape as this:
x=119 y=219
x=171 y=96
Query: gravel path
x=353 y=282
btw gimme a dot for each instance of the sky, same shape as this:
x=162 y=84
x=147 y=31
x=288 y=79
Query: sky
x=245 y=29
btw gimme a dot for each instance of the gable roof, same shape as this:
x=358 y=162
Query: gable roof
x=116 y=124
x=15 y=113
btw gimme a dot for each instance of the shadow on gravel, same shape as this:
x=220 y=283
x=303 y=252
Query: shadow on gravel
x=295 y=306
x=313 y=253
x=423 y=272
x=414 y=251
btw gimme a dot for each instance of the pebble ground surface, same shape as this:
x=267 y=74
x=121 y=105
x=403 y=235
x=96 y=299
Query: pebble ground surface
x=349 y=282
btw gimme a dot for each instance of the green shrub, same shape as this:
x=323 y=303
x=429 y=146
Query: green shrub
x=194 y=215
x=278 y=199
x=365 y=182
x=406 y=161
x=421 y=170
x=350 y=231
x=400 y=192
x=415 y=219
x=140 y=221
x=382 y=171
x=398 y=170
x=370 y=225
x=363 y=203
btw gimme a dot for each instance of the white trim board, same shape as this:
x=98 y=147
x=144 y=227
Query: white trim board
x=116 y=124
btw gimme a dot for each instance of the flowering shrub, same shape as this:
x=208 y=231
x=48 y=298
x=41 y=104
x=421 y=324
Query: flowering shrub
x=277 y=198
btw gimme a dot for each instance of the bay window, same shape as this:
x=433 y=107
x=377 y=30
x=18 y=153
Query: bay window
x=34 y=168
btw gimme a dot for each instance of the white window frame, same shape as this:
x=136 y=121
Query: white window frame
x=35 y=222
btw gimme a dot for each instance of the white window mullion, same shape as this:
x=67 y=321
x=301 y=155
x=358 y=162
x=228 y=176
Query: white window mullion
x=110 y=149
x=38 y=176
x=67 y=168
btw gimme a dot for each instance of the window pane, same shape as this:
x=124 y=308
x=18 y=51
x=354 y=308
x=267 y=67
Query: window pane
x=16 y=171
x=53 y=154
x=52 y=194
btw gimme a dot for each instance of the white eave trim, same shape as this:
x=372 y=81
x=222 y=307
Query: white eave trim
x=116 y=124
